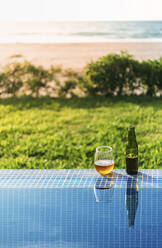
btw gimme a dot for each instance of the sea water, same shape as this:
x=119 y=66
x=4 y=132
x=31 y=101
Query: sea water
x=81 y=31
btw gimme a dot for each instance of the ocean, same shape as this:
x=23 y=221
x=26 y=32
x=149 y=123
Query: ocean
x=99 y=31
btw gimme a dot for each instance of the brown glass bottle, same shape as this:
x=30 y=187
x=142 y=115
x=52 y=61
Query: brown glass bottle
x=131 y=152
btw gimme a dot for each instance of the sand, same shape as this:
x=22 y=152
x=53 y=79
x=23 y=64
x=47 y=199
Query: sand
x=76 y=55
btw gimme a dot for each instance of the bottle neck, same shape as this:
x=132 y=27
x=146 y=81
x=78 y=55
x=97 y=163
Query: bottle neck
x=132 y=143
x=132 y=137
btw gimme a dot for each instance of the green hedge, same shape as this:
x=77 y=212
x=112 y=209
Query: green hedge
x=117 y=74
x=114 y=74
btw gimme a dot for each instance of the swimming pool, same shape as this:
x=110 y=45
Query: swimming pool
x=79 y=208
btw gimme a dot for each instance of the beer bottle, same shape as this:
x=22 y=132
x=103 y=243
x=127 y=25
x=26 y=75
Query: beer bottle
x=131 y=152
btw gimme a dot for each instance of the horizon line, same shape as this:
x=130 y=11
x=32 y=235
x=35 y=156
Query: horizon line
x=147 y=20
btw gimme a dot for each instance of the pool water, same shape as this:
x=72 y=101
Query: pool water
x=109 y=213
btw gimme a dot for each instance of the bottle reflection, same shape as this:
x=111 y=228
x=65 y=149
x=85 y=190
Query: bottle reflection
x=103 y=188
x=132 y=199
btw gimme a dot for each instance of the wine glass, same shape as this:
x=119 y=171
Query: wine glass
x=104 y=162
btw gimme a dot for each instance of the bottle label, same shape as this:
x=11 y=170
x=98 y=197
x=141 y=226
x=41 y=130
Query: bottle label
x=130 y=155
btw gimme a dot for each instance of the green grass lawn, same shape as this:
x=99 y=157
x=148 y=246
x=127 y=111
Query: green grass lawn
x=63 y=133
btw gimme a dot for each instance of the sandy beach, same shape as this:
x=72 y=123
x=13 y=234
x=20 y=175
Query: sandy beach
x=76 y=55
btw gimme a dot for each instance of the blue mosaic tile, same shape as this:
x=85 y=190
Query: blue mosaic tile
x=80 y=209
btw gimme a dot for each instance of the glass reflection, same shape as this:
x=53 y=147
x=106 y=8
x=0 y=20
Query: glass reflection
x=103 y=188
x=131 y=200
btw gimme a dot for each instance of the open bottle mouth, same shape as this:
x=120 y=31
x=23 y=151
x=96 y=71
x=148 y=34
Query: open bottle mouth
x=103 y=149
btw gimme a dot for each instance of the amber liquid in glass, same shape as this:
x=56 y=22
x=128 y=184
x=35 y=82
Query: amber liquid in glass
x=104 y=167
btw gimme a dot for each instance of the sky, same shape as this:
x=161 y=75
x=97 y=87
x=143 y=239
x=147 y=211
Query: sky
x=79 y=10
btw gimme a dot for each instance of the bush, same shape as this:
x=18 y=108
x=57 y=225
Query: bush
x=71 y=84
x=112 y=74
x=36 y=78
x=159 y=82
x=150 y=75
x=12 y=78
